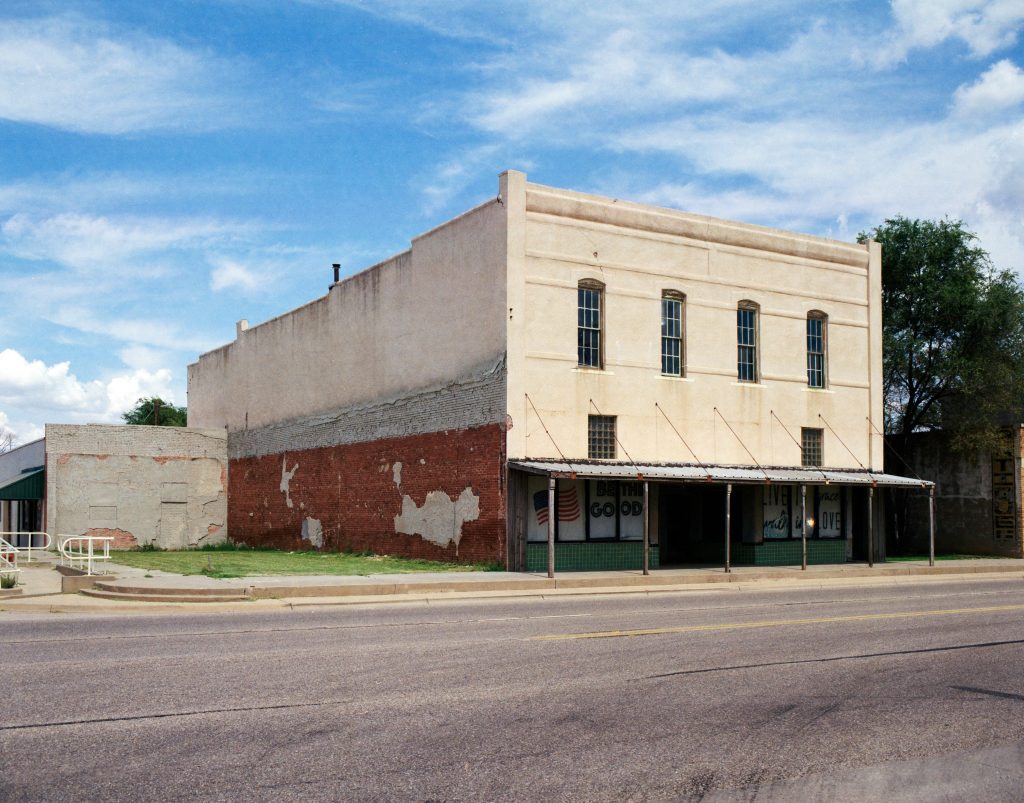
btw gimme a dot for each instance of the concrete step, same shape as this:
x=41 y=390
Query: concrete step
x=123 y=588
x=166 y=595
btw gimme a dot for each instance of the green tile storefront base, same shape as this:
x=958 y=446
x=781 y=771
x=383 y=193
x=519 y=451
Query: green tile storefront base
x=583 y=556
x=788 y=553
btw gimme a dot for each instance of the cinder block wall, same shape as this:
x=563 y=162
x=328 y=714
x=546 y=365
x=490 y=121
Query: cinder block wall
x=966 y=517
x=165 y=486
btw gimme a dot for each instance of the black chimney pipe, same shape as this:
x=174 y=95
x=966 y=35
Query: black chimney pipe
x=337 y=271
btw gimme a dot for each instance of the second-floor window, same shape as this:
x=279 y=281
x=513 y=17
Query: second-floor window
x=589 y=319
x=816 y=345
x=601 y=437
x=672 y=334
x=746 y=342
x=811 y=446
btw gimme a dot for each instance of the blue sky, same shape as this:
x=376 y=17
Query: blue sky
x=168 y=168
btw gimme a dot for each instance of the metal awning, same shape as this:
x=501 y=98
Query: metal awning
x=690 y=472
x=28 y=485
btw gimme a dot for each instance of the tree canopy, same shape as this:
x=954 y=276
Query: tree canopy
x=953 y=332
x=156 y=411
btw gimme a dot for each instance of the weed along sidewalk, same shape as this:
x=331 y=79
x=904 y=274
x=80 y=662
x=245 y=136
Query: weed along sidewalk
x=239 y=579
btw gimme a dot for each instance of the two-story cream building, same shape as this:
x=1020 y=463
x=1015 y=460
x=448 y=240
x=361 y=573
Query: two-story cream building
x=525 y=376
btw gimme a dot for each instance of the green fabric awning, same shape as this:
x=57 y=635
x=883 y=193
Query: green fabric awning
x=25 y=486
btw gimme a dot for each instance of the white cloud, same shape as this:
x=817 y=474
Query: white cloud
x=145 y=357
x=35 y=393
x=76 y=74
x=1001 y=86
x=90 y=241
x=456 y=174
x=228 y=274
x=985 y=26
x=148 y=331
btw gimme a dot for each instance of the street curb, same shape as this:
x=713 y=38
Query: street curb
x=283 y=603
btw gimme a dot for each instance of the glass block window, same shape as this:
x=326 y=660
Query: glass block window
x=672 y=334
x=589 y=326
x=601 y=437
x=812 y=447
x=746 y=340
x=816 y=325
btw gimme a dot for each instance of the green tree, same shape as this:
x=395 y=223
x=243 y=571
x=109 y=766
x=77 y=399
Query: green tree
x=953 y=332
x=155 y=410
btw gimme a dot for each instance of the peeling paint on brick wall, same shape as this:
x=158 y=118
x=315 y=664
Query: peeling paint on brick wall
x=286 y=479
x=440 y=519
x=450 y=503
x=313 y=532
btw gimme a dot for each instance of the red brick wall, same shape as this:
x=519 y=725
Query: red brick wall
x=350 y=489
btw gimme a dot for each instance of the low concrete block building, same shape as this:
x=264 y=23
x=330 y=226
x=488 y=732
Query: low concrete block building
x=141 y=485
x=978 y=497
x=721 y=382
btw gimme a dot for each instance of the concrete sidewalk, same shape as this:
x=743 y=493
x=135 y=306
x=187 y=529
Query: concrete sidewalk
x=41 y=584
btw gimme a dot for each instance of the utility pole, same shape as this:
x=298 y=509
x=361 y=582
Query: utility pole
x=156 y=412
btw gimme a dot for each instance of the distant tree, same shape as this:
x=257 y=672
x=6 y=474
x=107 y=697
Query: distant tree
x=953 y=333
x=155 y=410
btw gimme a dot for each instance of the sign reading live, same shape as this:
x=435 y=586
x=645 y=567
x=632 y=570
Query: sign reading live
x=783 y=512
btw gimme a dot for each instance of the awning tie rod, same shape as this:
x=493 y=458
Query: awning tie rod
x=799 y=445
x=703 y=467
x=737 y=437
x=565 y=459
x=639 y=474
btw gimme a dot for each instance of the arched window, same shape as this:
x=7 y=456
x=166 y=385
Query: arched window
x=747 y=341
x=590 y=320
x=817 y=349
x=673 y=333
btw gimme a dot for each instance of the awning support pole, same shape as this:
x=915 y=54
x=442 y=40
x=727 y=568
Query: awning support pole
x=931 y=526
x=728 y=522
x=551 y=526
x=647 y=530
x=803 y=527
x=871 y=527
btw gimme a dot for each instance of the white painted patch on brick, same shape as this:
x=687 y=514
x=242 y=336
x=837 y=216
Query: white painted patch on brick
x=313 y=531
x=396 y=474
x=286 y=478
x=440 y=519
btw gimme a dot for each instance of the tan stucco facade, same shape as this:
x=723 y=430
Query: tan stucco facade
x=419 y=320
x=500 y=282
x=558 y=238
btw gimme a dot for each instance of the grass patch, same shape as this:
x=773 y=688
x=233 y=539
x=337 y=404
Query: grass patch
x=945 y=556
x=8 y=580
x=239 y=561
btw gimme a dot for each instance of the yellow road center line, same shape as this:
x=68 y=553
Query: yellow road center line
x=862 y=617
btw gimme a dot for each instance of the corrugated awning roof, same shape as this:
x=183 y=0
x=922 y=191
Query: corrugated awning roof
x=687 y=472
x=28 y=485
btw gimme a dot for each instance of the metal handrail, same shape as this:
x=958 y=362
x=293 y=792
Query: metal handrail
x=8 y=558
x=48 y=542
x=85 y=553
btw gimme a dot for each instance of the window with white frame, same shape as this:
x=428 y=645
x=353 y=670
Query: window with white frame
x=590 y=298
x=817 y=345
x=746 y=342
x=672 y=338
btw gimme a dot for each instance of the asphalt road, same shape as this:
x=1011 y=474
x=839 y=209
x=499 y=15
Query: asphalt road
x=904 y=692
